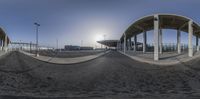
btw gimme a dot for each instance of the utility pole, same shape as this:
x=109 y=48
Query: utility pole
x=57 y=44
x=37 y=49
x=104 y=36
x=81 y=43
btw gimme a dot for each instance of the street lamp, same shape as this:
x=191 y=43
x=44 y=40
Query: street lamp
x=37 y=25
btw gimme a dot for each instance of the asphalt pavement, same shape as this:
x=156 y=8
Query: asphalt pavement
x=111 y=76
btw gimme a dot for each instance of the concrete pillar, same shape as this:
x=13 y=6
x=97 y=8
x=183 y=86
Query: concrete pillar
x=5 y=43
x=121 y=45
x=179 y=41
x=144 y=41
x=160 y=40
x=156 y=37
x=127 y=47
x=197 y=43
x=135 y=43
x=124 y=43
x=2 y=45
x=190 y=34
x=129 y=43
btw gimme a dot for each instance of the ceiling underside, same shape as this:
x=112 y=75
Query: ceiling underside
x=3 y=34
x=109 y=43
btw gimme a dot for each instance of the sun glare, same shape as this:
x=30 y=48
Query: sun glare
x=98 y=37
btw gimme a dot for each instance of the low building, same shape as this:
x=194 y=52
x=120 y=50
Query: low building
x=72 y=47
x=86 y=48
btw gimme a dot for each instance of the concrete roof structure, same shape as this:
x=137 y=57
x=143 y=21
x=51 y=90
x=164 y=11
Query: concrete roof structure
x=109 y=43
x=157 y=22
x=3 y=36
x=166 y=21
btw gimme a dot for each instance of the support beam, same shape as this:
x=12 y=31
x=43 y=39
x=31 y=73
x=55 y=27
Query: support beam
x=179 y=41
x=138 y=27
x=135 y=43
x=124 y=43
x=144 y=41
x=129 y=43
x=127 y=47
x=160 y=40
x=156 y=37
x=2 y=45
x=190 y=34
x=5 y=43
x=183 y=25
x=121 y=45
x=197 y=43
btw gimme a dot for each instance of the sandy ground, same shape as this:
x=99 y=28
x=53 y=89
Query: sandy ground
x=68 y=54
x=112 y=76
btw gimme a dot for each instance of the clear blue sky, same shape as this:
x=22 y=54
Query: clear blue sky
x=71 y=21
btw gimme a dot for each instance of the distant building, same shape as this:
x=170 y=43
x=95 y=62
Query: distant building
x=72 y=47
x=86 y=48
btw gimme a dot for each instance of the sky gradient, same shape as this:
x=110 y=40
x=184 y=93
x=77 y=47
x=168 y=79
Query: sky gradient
x=73 y=21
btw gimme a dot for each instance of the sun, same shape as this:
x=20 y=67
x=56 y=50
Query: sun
x=98 y=37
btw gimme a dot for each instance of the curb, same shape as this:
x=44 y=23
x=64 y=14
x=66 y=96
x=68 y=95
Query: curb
x=177 y=61
x=61 y=63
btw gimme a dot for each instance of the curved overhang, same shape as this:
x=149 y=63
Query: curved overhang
x=3 y=35
x=109 y=43
x=166 y=21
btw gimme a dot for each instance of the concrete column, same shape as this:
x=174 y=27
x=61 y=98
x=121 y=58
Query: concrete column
x=135 y=43
x=197 y=43
x=156 y=37
x=2 y=45
x=5 y=43
x=127 y=47
x=129 y=43
x=160 y=40
x=121 y=45
x=190 y=34
x=144 y=41
x=179 y=41
x=124 y=43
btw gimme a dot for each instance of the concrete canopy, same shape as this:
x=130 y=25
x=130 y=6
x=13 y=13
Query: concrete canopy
x=166 y=21
x=3 y=35
x=109 y=43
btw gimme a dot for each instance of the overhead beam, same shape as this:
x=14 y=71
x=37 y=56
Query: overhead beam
x=138 y=27
x=186 y=23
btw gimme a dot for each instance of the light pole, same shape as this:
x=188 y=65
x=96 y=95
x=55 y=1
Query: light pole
x=37 y=25
x=57 y=44
x=104 y=36
x=81 y=43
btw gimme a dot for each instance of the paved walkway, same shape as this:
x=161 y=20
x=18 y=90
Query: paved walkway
x=65 y=60
x=166 y=58
x=3 y=53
